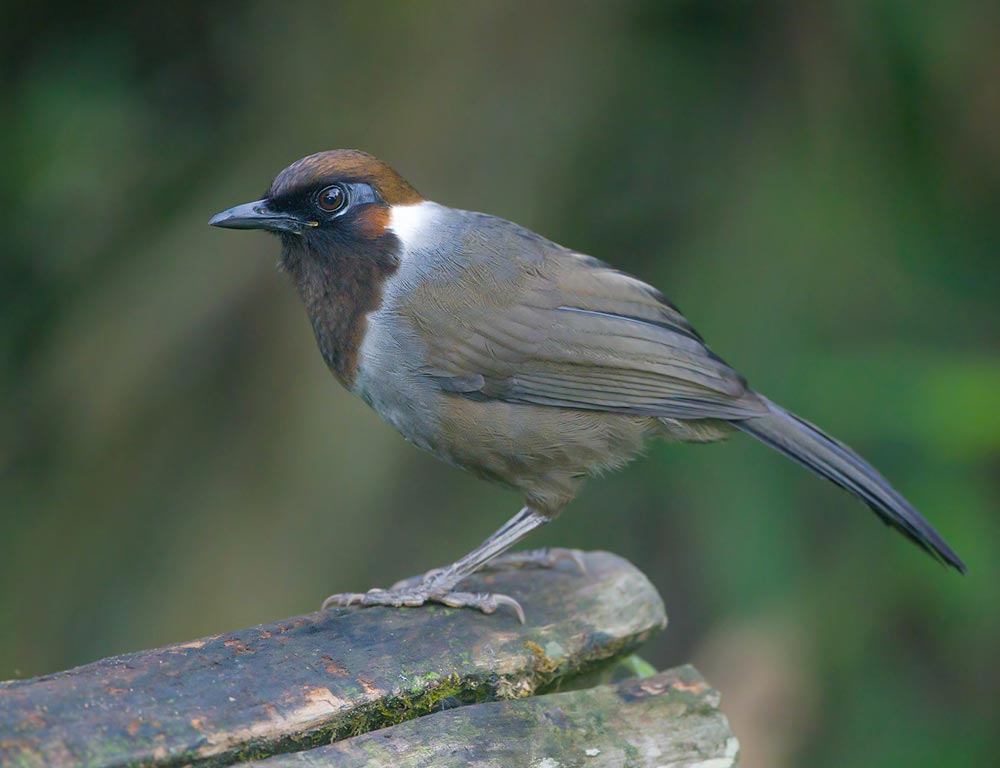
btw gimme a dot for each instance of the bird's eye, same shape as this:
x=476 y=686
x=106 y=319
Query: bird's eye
x=332 y=199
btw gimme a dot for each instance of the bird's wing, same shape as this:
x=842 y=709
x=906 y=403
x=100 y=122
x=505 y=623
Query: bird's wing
x=550 y=327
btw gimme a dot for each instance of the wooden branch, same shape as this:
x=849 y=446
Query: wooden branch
x=313 y=679
x=670 y=719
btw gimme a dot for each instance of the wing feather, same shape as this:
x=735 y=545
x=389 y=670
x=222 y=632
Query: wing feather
x=567 y=331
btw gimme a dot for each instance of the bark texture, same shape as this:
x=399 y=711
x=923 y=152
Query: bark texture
x=311 y=680
x=671 y=719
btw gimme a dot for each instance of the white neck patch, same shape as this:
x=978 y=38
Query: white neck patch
x=410 y=223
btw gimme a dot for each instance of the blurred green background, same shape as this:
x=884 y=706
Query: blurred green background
x=817 y=186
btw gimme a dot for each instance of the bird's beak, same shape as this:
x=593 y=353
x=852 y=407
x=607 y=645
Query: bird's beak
x=257 y=215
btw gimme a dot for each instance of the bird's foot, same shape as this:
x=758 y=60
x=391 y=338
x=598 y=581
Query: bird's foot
x=509 y=561
x=411 y=596
x=537 y=558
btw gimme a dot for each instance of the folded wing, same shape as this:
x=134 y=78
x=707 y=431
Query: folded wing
x=567 y=331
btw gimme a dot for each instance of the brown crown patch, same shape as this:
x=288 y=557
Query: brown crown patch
x=345 y=165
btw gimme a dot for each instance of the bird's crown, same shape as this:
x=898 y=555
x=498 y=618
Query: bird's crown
x=344 y=165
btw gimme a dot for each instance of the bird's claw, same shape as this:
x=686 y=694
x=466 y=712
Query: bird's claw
x=412 y=597
x=487 y=602
x=548 y=557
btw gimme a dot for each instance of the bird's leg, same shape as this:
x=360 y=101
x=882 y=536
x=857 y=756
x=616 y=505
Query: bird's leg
x=438 y=585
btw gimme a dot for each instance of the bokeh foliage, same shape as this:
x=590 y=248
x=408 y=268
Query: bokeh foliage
x=817 y=185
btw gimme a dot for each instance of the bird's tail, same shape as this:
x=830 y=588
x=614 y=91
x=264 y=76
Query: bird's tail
x=811 y=447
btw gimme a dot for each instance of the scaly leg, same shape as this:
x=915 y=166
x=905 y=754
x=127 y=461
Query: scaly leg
x=438 y=586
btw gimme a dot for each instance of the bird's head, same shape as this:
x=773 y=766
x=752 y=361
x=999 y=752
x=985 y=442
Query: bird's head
x=326 y=203
x=334 y=213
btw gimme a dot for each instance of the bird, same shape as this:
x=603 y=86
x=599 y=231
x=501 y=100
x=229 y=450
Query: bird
x=508 y=355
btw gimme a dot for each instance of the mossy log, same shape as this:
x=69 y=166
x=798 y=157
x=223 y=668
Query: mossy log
x=669 y=719
x=312 y=680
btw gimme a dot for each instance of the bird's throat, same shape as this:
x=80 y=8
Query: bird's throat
x=340 y=282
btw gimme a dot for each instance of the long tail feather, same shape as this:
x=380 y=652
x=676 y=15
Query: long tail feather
x=811 y=447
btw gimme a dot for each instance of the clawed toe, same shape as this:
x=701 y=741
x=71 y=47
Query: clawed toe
x=386 y=597
x=342 y=599
x=411 y=598
x=498 y=600
x=487 y=602
x=335 y=600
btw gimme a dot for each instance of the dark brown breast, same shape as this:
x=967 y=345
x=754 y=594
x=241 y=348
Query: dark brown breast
x=340 y=276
